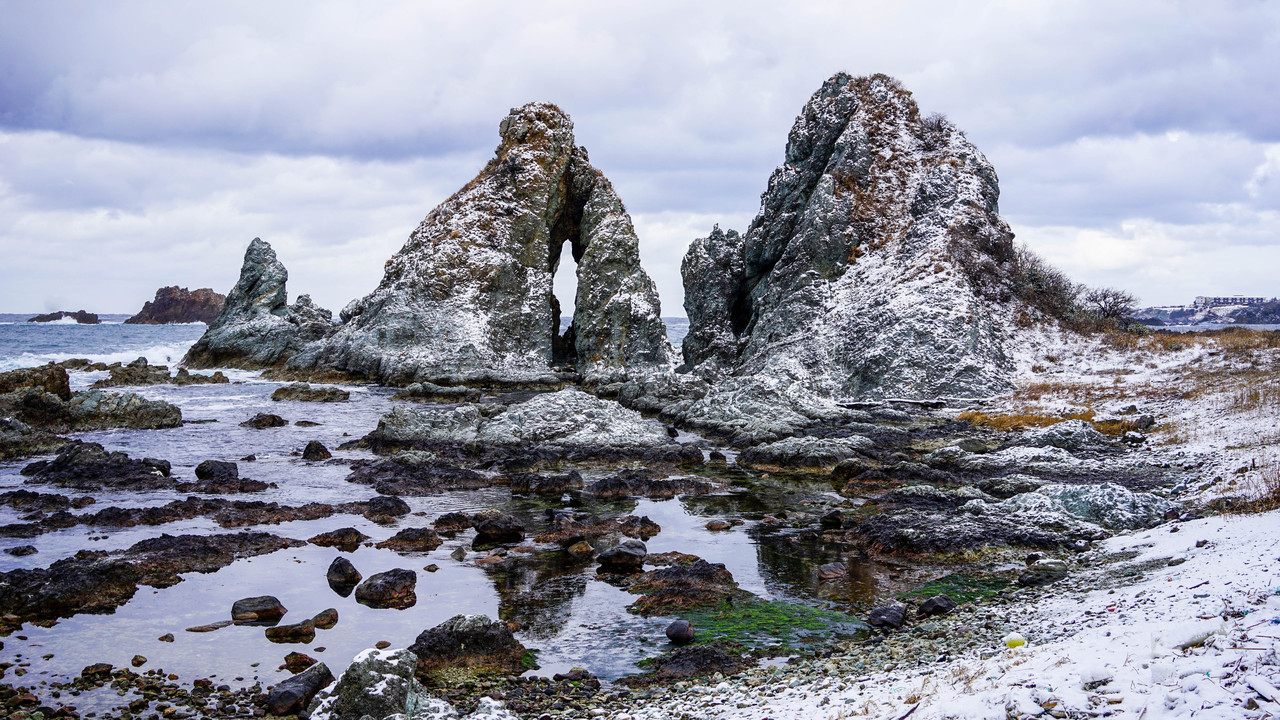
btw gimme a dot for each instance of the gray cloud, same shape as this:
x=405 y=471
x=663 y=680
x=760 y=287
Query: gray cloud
x=144 y=143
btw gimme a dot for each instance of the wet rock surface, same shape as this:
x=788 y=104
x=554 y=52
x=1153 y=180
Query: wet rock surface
x=469 y=641
x=669 y=590
x=418 y=540
x=91 y=582
x=391 y=589
x=415 y=473
x=304 y=392
x=81 y=317
x=87 y=466
x=175 y=304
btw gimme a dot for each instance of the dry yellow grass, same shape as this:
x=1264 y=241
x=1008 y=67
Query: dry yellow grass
x=1020 y=422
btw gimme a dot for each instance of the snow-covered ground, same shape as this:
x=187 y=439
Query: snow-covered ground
x=1179 y=621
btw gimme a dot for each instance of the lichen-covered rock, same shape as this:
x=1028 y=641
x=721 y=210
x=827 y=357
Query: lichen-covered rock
x=97 y=410
x=50 y=378
x=1110 y=505
x=804 y=452
x=304 y=392
x=877 y=266
x=257 y=328
x=175 y=304
x=379 y=684
x=468 y=299
x=1073 y=435
x=568 y=422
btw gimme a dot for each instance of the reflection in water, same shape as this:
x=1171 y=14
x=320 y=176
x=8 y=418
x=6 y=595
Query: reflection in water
x=563 y=610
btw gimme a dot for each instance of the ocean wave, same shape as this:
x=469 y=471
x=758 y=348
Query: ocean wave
x=160 y=354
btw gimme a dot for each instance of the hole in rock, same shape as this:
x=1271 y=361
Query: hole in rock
x=564 y=284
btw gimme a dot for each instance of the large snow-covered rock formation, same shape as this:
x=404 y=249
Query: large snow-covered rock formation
x=468 y=299
x=875 y=265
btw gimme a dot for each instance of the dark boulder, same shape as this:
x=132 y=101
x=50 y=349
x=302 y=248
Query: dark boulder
x=412 y=540
x=669 y=590
x=415 y=474
x=263 y=608
x=493 y=526
x=452 y=522
x=293 y=694
x=345 y=539
x=385 y=506
x=391 y=589
x=87 y=466
x=50 y=378
x=469 y=641
x=315 y=450
x=304 y=392
x=680 y=632
x=694 y=661
x=628 y=557
x=936 y=605
x=217 y=470
x=303 y=632
x=343 y=574
x=264 y=420
x=326 y=619
x=887 y=616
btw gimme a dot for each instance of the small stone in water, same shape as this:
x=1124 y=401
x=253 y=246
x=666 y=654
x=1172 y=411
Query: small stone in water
x=382 y=644
x=138 y=661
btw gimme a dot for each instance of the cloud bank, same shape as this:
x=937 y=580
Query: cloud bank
x=145 y=143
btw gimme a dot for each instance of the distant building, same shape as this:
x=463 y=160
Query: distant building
x=1208 y=301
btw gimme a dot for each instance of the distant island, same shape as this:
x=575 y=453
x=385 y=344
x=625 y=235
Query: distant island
x=1214 y=310
x=175 y=304
x=80 y=316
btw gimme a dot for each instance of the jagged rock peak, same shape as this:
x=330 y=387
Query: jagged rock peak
x=468 y=299
x=876 y=265
x=257 y=328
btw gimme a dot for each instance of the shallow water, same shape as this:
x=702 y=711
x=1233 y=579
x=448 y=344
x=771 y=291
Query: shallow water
x=563 y=610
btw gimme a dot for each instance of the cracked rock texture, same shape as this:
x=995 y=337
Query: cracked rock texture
x=468 y=299
x=257 y=328
x=876 y=267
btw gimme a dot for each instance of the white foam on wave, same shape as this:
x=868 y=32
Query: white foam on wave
x=161 y=354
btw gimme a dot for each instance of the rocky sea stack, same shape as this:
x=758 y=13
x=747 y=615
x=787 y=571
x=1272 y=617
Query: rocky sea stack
x=468 y=299
x=874 y=265
x=878 y=266
x=175 y=304
x=257 y=328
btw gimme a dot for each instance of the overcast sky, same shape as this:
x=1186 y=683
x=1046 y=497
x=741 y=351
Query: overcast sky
x=145 y=143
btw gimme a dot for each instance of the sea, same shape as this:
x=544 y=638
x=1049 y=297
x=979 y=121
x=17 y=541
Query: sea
x=27 y=344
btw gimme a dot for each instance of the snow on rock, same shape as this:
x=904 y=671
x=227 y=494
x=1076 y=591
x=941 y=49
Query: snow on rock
x=1110 y=505
x=876 y=267
x=568 y=420
x=468 y=299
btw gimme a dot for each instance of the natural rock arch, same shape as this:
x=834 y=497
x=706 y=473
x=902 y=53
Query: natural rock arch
x=468 y=299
